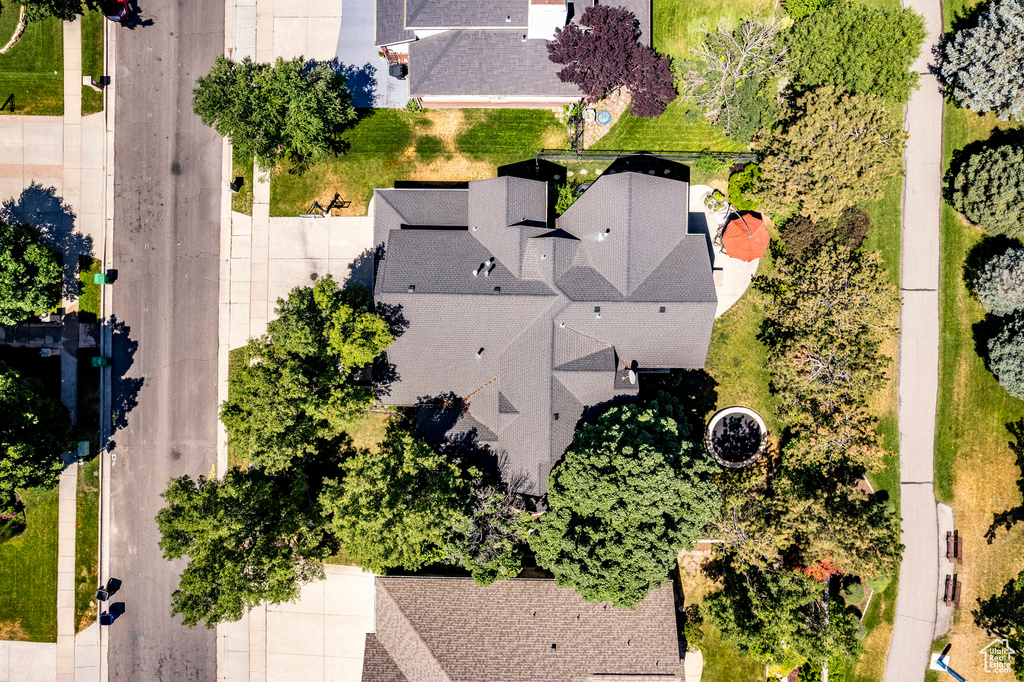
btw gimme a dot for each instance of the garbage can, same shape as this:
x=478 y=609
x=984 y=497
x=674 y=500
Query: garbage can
x=106 y=618
x=100 y=361
x=100 y=278
x=102 y=595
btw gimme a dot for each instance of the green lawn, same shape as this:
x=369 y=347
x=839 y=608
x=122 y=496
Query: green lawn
x=92 y=59
x=28 y=573
x=89 y=297
x=975 y=469
x=87 y=544
x=241 y=167
x=463 y=144
x=32 y=71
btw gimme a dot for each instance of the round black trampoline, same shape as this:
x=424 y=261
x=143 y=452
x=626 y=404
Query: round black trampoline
x=736 y=437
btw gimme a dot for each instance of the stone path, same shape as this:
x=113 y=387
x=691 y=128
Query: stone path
x=916 y=605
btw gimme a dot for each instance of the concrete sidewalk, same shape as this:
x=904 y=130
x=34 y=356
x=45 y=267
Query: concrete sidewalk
x=917 y=603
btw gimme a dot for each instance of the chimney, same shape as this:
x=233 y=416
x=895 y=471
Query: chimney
x=544 y=17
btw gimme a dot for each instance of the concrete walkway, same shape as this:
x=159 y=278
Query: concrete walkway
x=916 y=605
x=66 y=522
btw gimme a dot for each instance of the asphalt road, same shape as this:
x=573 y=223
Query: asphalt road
x=164 y=370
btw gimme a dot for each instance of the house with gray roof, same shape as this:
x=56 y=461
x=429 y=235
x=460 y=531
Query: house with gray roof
x=452 y=630
x=467 y=53
x=530 y=323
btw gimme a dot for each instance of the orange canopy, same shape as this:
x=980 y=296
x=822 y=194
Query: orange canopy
x=745 y=238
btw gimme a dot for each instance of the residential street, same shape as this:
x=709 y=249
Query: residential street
x=167 y=190
x=916 y=604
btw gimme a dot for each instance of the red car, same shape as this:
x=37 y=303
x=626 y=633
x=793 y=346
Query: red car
x=119 y=10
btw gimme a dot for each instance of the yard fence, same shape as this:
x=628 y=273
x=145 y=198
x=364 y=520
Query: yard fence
x=563 y=155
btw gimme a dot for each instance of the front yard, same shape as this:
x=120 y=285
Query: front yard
x=28 y=573
x=31 y=72
x=434 y=144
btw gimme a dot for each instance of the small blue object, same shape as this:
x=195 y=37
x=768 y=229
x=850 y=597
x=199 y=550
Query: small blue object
x=604 y=118
x=106 y=618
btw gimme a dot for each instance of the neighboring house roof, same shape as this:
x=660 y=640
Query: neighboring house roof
x=494 y=63
x=427 y=14
x=451 y=630
x=482 y=50
x=553 y=319
x=390 y=28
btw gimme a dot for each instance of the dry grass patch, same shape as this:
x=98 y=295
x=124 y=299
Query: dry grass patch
x=12 y=631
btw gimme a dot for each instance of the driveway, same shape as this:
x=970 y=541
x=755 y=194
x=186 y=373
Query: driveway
x=368 y=78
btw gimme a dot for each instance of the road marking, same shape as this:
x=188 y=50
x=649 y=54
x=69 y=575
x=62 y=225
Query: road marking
x=149 y=114
x=143 y=442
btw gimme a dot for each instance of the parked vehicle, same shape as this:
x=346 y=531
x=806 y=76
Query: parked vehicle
x=119 y=10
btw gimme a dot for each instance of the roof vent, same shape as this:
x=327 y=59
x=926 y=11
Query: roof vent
x=474 y=228
x=480 y=352
x=412 y=288
x=497 y=290
x=543 y=256
x=508 y=18
x=561 y=325
x=553 y=647
x=661 y=309
x=556 y=416
x=597 y=311
x=524 y=40
x=478 y=268
x=604 y=235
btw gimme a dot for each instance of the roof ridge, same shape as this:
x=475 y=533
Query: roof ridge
x=419 y=638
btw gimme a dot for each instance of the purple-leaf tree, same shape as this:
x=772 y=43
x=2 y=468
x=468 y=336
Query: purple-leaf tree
x=606 y=53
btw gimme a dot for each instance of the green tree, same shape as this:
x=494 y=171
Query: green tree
x=249 y=538
x=294 y=396
x=65 y=10
x=398 y=507
x=798 y=9
x=35 y=430
x=1006 y=354
x=630 y=493
x=290 y=109
x=30 y=275
x=987 y=186
x=999 y=285
x=831 y=151
x=1003 y=614
x=783 y=618
x=981 y=65
x=858 y=49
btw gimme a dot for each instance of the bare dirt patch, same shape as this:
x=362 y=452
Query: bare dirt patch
x=455 y=169
x=446 y=123
x=11 y=631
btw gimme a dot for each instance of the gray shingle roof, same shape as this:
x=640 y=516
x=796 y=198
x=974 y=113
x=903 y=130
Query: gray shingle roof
x=465 y=13
x=549 y=345
x=493 y=63
x=390 y=23
x=451 y=629
x=378 y=666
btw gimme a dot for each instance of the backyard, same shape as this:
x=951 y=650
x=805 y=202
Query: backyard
x=31 y=72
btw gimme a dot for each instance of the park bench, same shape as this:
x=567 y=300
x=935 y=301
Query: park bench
x=951 y=593
x=954 y=547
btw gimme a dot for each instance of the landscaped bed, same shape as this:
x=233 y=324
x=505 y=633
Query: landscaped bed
x=31 y=72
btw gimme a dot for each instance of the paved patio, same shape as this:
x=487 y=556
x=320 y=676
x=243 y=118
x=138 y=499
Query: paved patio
x=732 y=276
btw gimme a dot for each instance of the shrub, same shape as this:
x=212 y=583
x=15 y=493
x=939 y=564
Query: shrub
x=712 y=165
x=981 y=66
x=742 y=186
x=413 y=106
x=987 y=186
x=1000 y=284
x=567 y=194
x=854 y=593
x=858 y=49
x=798 y=9
x=850 y=228
x=1006 y=354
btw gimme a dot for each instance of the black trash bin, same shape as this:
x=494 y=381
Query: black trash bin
x=102 y=595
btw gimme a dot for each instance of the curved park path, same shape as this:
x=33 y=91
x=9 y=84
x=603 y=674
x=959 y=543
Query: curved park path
x=916 y=605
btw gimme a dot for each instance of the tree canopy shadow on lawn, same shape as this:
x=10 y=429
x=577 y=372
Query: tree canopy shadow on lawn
x=53 y=218
x=1011 y=517
x=1001 y=614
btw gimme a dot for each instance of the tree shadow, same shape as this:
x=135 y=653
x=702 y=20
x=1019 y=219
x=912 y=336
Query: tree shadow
x=984 y=331
x=361 y=82
x=694 y=389
x=124 y=390
x=544 y=171
x=1003 y=613
x=961 y=156
x=360 y=270
x=981 y=253
x=1011 y=517
x=47 y=212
